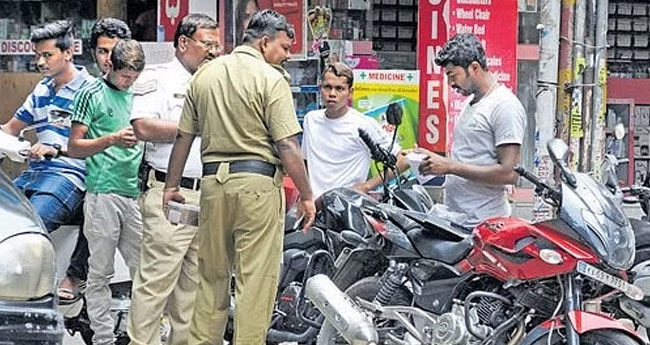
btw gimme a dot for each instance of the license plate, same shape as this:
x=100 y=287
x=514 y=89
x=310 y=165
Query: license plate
x=598 y=275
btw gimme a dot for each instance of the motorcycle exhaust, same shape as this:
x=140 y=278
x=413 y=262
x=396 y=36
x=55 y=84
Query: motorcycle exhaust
x=340 y=311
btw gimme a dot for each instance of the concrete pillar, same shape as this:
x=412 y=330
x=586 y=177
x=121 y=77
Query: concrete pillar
x=546 y=101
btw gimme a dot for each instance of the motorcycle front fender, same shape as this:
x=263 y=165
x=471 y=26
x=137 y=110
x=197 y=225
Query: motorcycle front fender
x=583 y=322
x=638 y=310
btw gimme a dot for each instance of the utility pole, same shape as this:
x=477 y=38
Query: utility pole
x=563 y=112
x=599 y=100
x=546 y=98
x=576 y=132
x=588 y=123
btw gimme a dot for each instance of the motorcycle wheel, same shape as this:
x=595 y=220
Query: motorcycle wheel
x=598 y=337
x=366 y=288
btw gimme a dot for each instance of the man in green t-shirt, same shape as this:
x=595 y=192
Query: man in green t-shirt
x=101 y=133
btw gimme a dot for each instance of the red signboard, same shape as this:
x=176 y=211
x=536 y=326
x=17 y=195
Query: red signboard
x=494 y=22
x=235 y=14
x=170 y=14
x=294 y=11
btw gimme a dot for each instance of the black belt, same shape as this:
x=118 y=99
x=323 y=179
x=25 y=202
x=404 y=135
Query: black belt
x=250 y=166
x=186 y=182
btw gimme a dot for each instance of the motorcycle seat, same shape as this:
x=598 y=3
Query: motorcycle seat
x=442 y=228
x=396 y=215
x=433 y=247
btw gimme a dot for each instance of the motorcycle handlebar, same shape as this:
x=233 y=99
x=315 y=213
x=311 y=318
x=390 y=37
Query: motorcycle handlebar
x=545 y=189
x=376 y=151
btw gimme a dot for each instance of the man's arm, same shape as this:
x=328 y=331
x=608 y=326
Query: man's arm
x=501 y=173
x=37 y=151
x=79 y=147
x=154 y=130
x=289 y=152
x=13 y=126
x=177 y=160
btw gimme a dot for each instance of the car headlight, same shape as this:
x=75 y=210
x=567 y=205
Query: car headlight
x=27 y=267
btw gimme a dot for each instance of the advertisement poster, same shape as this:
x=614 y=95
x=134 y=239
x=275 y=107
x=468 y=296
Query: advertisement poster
x=374 y=90
x=440 y=20
x=236 y=15
x=170 y=14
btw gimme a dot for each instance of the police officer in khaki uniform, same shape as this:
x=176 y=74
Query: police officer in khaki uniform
x=242 y=108
x=168 y=276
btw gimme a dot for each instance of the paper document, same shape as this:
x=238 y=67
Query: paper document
x=415 y=159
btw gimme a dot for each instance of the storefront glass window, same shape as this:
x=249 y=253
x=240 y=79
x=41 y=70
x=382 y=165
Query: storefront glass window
x=17 y=18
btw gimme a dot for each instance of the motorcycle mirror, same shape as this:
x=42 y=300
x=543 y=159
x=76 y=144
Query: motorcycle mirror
x=558 y=150
x=619 y=131
x=394 y=114
x=559 y=153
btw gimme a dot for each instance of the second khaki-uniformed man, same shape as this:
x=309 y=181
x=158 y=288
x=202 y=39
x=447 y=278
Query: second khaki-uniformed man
x=242 y=108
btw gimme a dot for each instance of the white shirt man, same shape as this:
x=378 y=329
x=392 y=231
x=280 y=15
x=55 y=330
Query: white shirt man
x=336 y=156
x=335 y=153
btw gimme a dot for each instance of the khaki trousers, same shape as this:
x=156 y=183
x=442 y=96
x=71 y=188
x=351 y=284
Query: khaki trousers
x=241 y=230
x=168 y=276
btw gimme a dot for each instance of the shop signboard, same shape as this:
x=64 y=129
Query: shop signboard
x=433 y=32
x=374 y=90
x=235 y=14
x=440 y=20
x=26 y=47
x=170 y=14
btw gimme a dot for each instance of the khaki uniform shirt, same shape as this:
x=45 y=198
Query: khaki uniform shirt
x=239 y=105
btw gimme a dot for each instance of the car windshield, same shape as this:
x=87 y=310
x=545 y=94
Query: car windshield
x=16 y=213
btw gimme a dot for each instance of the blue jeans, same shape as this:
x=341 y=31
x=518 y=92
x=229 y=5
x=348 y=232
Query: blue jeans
x=58 y=201
x=55 y=198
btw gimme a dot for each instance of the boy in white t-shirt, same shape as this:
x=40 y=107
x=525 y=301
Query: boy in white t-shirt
x=335 y=154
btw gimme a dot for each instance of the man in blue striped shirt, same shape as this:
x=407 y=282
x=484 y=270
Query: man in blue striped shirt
x=55 y=186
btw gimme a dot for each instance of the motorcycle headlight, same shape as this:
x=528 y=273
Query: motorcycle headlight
x=27 y=267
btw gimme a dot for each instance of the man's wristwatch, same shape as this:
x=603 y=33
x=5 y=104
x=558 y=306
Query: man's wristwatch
x=58 y=150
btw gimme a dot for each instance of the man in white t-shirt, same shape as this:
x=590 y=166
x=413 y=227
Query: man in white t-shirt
x=335 y=154
x=167 y=278
x=487 y=137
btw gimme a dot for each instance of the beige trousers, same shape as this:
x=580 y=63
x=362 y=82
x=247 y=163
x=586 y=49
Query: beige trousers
x=167 y=279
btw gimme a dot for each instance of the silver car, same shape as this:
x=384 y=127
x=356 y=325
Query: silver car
x=28 y=306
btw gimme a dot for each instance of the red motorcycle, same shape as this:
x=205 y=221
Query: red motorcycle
x=509 y=282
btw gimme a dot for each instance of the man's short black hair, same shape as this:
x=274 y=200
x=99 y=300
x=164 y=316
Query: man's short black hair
x=109 y=27
x=267 y=23
x=192 y=22
x=462 y=50
x=60 y=30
